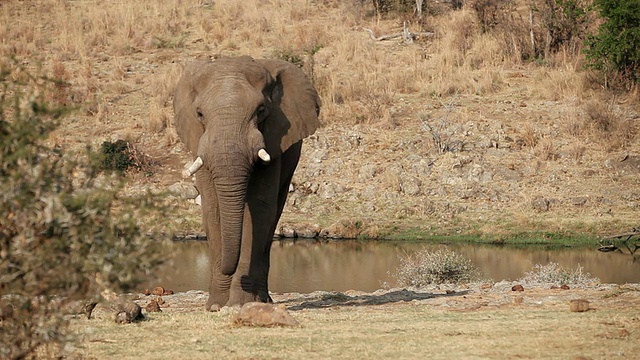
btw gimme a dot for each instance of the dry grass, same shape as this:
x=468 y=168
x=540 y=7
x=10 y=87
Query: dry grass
x=461 y=329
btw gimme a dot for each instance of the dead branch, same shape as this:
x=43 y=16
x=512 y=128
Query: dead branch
x=406 y=35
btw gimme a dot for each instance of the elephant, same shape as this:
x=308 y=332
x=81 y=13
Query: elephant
x=243 y=120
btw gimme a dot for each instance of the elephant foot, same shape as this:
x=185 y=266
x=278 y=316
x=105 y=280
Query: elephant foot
x=216 y=302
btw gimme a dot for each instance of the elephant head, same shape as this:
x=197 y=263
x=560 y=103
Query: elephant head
x=233 y=114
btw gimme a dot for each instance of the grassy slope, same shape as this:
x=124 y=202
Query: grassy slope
x=530 y=132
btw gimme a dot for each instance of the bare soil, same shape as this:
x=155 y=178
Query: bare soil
x=488 y=321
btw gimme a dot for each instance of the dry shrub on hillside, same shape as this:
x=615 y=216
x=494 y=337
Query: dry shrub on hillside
x=608 y=124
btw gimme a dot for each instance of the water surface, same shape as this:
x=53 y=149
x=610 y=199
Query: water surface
x=309 y=265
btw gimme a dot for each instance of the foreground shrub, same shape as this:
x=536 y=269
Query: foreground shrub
x=553 y=273
x=61 y=237
x=424 y=268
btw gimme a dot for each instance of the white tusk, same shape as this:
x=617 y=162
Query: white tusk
x=193 y=168
x=264 y=155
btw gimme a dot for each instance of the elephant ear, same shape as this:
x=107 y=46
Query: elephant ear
x=188 y=127
x=295 y=107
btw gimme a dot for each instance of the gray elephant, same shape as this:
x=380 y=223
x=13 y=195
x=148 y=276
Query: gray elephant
x=243 y=120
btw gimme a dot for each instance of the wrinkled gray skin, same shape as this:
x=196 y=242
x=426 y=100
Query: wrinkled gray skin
x=225 y=112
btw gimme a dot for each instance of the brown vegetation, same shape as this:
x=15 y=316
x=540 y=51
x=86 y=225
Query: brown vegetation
x=510 y=112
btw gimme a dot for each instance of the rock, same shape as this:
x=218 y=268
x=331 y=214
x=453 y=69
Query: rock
x=579 y=305
x=541 y=204
x=159 y=290
x=410 y=185
x=318 y=155
x=127 y=312
x=288 y=232
x=579 y=201
x=564 y=287
x=183 y=190
x=6 y=311
x=517 y=288
x=264 y=314
x=153 y=306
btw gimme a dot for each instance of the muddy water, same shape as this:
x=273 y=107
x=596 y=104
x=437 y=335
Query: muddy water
x=306 y=266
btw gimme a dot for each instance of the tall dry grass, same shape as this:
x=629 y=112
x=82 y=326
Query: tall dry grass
x=110 y=49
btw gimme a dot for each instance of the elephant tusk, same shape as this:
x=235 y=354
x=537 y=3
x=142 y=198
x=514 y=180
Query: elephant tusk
x=264 y=155
x=193 y=168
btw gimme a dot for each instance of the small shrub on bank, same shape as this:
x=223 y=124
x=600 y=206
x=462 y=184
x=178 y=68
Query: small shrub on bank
x=553 y=273
x=425 y=267
x=63 y=237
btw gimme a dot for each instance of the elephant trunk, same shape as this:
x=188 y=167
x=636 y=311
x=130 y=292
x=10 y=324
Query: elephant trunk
x=231 y=200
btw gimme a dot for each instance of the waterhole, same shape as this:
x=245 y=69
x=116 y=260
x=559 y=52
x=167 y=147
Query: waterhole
x=307 y=265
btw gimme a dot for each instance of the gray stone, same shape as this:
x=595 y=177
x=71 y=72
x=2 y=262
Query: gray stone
x=410 y=185
x=579 y=201
x=183 y=190
x=541 y=204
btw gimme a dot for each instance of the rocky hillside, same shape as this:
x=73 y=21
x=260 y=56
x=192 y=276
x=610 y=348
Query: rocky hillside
x=447 y=134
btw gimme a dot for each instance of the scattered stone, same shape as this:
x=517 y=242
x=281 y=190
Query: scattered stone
x=517 y=288
x=410 y=185
x=6 y=311
x=167 y=292
x=288 y=232
x=153 y=306
x=449 y=292
x=264 y=314
x=541 y=204
x=564 y=287
x=486 y=286
x=579 y=201
x=146 y=292
x=183 y=190
x=579 y=305
x=127 y=312
x=159 y=290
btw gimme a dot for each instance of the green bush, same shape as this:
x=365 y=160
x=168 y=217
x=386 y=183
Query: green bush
x=63 y=237
x=615 y=49
x=424 y=267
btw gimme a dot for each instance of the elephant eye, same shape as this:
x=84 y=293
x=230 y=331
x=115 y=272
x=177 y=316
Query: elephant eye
x=199 y=114
x=261 y=112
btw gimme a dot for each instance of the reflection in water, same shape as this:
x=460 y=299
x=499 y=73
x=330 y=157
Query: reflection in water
x=305 y=266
